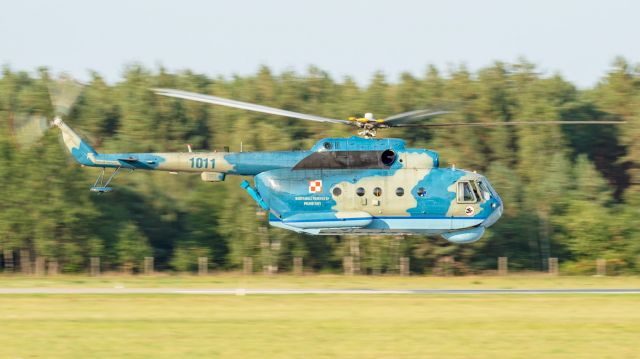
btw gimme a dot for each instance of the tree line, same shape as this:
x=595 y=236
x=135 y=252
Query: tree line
x=570 y=192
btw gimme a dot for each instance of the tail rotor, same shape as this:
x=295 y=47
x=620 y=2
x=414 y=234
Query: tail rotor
x=27 y=128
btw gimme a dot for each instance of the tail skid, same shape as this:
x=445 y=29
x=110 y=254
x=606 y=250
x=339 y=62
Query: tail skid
x=102 y=186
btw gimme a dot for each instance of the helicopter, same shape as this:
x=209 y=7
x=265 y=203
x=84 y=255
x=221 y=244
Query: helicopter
x=360 y=185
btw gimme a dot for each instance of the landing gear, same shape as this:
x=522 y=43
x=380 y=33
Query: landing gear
x=100 y=186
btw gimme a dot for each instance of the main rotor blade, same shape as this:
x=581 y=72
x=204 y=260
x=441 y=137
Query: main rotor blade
x=512 y=123
x=404 y=117
x=244 y=105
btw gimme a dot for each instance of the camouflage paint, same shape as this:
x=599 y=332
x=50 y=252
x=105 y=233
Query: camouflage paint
x=286 y=192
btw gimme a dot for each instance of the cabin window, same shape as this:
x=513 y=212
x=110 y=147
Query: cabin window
x=422 y=192
x=377 y=191
x=327 y=145
x=360 y=191
x=466 y=193
x=399 y=191
x=337 y=191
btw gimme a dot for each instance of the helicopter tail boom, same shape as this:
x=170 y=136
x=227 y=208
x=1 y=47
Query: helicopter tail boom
x=79 y=148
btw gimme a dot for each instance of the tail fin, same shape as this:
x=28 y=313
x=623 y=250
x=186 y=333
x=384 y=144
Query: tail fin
x=79 y=149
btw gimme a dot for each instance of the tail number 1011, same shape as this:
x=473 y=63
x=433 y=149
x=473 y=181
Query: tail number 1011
x=199 y=162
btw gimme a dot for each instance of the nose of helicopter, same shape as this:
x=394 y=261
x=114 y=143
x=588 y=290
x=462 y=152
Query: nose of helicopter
x=496 y=214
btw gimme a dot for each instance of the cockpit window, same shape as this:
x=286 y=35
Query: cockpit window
x=486 y=193
x=475 y=189
x=466 y=193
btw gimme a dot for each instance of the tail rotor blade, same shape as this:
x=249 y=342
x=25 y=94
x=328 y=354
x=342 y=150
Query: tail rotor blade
x=64 y=92
x=27 y=129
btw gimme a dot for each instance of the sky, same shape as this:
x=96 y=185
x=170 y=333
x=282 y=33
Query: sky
x=578 y=39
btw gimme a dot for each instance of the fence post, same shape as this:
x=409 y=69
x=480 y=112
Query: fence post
x=25 y=261
x=127 y=267
x=94 y=266
x=39 y=269
x=404 y=266
x=297 y=266
x=503 y=266
x=53 y=267
x=355 y=264
x=148 y=265
x=601 y=266
x=347 y=265
x=449 y=265
x=203 y=265
x=553 y=266
x=8 y=261
x=247 y=265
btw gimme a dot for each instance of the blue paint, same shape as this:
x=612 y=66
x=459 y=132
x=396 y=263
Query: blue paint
x=287 y=193
x=466 y=236
x=255 y=195
x=438 y=198
x=408 y=218
x=254 y=163
x=80 y=153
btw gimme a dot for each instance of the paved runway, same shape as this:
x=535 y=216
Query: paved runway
x=246 y=291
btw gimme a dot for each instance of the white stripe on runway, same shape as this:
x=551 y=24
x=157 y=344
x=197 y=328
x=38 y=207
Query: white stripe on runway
x=247 y=291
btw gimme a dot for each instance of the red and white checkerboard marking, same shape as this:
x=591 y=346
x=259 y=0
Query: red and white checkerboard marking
x=315 y=186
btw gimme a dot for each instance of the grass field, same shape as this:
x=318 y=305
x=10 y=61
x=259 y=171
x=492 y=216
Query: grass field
x=320 y=326
x=231 y=280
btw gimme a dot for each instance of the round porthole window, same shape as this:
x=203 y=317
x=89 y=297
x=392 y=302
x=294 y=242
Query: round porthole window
x=337 y=191
x=360 y=191
x=422 y=192
x=377 y=191
x=327 y=145
x=399 y=191
x=388 y=157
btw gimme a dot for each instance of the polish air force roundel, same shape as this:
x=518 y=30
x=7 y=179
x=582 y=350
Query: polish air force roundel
x=315 y=186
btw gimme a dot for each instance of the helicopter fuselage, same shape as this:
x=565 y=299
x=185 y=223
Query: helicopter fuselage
x=357 y=186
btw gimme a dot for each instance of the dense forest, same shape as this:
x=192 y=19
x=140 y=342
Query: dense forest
x=570 y=192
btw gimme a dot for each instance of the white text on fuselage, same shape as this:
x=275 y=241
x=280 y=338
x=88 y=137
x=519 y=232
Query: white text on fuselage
x=312 y=200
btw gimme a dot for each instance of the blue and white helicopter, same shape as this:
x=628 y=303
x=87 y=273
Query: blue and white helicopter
x=355 y=186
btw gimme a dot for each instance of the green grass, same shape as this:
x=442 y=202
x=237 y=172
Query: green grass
x=319 y=326
x=231 y=280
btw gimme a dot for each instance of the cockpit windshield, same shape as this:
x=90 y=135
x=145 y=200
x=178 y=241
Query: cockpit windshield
x=486 y=192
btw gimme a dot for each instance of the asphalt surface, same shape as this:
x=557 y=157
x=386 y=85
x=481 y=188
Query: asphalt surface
x=246 y=291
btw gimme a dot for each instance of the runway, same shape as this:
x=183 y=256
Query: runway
x=248 y=291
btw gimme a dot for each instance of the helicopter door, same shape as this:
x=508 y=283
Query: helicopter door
x=468 y=199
